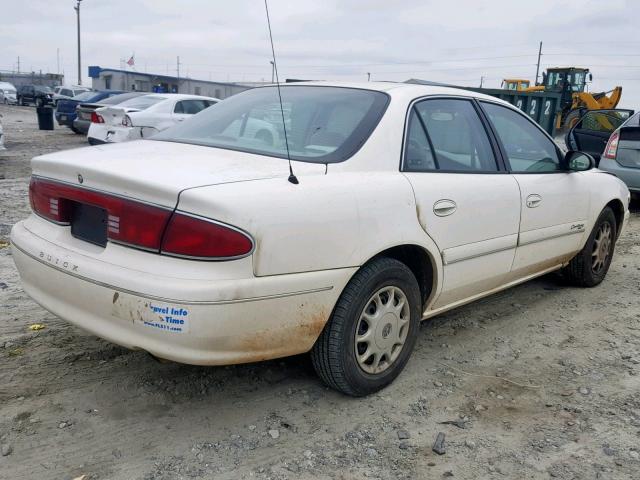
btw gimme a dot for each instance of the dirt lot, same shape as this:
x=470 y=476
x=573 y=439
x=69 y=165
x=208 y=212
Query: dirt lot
x=72 y=404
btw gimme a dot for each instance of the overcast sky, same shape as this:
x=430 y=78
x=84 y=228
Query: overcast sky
x=454 y=41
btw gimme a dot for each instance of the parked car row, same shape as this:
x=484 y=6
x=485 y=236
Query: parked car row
x=111 y=116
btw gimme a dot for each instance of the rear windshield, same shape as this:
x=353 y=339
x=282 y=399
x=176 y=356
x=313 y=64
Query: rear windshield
x=141 y=103
x=323 y=124
x=116 y=99
x=85 y=96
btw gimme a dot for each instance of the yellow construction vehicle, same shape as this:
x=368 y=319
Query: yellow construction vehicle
x=570 y=82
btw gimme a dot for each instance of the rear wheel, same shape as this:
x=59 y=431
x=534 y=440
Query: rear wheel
x=370 y=336
x=589 y=267
x=571 y=119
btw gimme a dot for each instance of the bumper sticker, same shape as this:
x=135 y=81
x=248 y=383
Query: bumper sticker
x=152 y=314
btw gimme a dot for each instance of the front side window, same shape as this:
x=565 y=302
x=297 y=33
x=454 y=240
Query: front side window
x=447 y=135
x=527 y=148
x=323 y=124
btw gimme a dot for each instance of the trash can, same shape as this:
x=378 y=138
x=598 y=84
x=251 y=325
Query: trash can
x=45 y=118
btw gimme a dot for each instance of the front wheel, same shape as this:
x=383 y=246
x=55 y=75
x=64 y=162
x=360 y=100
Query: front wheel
x=589 y=267
x=372 y=331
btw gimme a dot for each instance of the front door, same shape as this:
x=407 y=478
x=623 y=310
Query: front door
x=467 y=204
x=593 y=130
x=554 y=201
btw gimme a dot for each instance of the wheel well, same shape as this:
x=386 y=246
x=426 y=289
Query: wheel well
x=618 y=212
x=419 y=262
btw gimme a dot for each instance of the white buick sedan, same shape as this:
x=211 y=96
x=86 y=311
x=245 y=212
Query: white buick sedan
x=405 y=201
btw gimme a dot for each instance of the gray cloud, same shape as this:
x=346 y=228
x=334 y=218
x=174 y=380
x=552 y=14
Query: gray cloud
x=455 y=41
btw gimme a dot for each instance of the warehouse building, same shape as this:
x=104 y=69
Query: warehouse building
x=32 y=78
x=111 y=78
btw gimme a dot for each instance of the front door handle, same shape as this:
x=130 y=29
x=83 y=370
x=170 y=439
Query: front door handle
x=443 y=208
x=533 y=200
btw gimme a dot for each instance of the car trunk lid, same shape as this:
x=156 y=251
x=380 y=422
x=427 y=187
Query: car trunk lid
x=157 y=171
x=114 y=115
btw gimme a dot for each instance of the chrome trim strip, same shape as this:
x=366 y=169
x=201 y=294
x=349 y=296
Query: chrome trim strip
x=478 y=255
x=551 y=237
x=172 y=300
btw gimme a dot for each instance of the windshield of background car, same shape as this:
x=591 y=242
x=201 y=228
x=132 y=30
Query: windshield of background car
x=323 y=124
x=141 y=103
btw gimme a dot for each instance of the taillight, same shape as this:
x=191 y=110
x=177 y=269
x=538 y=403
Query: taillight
x=194 y=237
x=128 y=221
x=126 y=121
x=96 y=118
x=142 y=225
x=611 y=149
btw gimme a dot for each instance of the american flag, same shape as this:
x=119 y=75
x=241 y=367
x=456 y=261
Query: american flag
x=131 y=62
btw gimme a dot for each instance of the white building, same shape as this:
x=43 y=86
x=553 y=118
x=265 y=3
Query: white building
x=115 y=79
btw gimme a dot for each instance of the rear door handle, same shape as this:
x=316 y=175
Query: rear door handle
x=533 y=200
x=443 y=208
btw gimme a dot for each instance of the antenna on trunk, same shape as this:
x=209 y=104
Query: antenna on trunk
x=292 y=178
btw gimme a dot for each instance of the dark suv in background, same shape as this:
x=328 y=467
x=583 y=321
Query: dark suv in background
x=39 y=95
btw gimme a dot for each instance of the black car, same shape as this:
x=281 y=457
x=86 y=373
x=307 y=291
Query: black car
x=39 y=95
x=84 y=111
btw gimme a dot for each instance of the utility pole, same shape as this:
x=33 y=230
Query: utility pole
x=58 y=60
x=368 y=76
x=77 y=9
x=481 y=81
x=538 y=67
x=18 y=63
x=272 y=71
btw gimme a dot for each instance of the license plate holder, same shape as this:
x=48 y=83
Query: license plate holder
x=89 y=223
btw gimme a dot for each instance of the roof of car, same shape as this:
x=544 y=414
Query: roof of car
x=416 y=90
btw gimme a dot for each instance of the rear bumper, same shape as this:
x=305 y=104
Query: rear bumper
x=195 y=321
x=81 y=125
x=65 y=119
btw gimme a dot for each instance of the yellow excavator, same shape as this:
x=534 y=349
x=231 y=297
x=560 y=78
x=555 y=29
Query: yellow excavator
x=570 y=82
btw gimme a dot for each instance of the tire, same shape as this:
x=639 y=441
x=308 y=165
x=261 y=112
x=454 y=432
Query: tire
x=589 y=267
x=571 y=119
x=75 y=130
x=334 y=355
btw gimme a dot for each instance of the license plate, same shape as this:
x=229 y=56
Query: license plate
x=63 y=117
x=89 y=223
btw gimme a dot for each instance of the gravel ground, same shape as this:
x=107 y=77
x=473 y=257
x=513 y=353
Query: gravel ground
x=73 y=405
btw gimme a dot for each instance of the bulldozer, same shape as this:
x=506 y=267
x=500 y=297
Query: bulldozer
x=570 y=82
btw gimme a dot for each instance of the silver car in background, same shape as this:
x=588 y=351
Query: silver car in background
x=8 y=94
x=621 y=156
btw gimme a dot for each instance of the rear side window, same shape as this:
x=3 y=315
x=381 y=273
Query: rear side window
x=527 y=148
x=191 y=107
x=447 y=135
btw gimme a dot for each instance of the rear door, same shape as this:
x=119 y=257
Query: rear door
x=593 y=130
x=467 y=203
x=554 y=201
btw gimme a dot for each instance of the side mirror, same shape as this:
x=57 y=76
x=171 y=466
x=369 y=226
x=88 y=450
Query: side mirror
x=579 y=161
x=590 y=77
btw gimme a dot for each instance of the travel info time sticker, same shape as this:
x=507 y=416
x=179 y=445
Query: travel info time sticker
x=167 y=317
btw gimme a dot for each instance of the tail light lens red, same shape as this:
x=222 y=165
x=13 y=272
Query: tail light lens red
x=142 y=225
x=611 y=149
x=96 y=118
x=188 y=236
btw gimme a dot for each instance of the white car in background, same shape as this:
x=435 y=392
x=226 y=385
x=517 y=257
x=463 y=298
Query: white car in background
x=204 y=245
x=144 y=116
x=8 y=94
x=64 y=92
